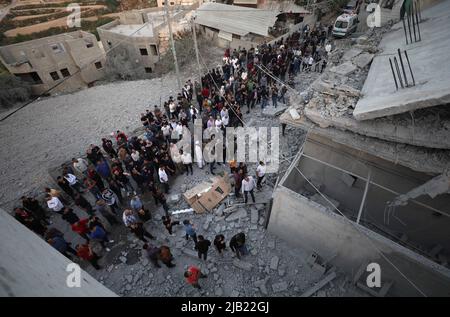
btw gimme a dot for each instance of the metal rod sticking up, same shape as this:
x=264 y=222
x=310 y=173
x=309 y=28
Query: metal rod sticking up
x=403 y=67
x=410 y=70
x=417 y=20
x=411 y=13
x=404 y=28
x=393 y=74
x=409 y=28
x=398 y=72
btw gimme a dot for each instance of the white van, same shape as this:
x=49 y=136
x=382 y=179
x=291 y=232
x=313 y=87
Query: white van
x=345 y=25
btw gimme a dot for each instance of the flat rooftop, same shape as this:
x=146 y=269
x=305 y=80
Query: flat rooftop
x=132 y=30
x=429 y=63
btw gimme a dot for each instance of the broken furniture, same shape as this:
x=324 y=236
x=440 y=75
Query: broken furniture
x=207 y=195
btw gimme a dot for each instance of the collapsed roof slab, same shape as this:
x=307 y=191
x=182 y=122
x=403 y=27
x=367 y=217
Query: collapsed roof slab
x=429 y=131
x=429 y=63
x=432 y=161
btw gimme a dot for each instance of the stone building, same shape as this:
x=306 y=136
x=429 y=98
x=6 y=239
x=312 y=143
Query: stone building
x=71 y=61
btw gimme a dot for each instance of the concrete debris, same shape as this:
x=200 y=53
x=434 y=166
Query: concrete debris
x=240 y=213
x=274 y=263
x=279 y=287
x=319 y=285
x=254 y=215
x=242 y=265
x=344 y=69
x=363 y=60
x=272 y=111
x=351 y=53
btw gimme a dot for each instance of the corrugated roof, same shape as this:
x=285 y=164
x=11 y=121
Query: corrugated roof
x=235 y=19
x=245 y=1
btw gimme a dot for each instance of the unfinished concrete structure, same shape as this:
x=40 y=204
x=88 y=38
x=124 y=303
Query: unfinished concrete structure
x=50 y=61
x=140 y=37
x=371 y=183
x=31 y=267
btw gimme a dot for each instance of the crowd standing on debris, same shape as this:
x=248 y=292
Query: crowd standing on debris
x=117 y=173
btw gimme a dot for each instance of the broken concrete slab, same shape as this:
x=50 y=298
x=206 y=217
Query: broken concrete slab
x=432 y=85
x=319 y=285
x=363 y=60
x=242 y=265
x=351 y=53
x=272 y=111
x=240 y=213
x=344 y=69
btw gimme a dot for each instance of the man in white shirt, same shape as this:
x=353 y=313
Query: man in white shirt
x=163 y=178
x=186 y=158
x=129 y=218
x=80 y=165
x=260 y=172
x=73 y=182
x=248 y=185
x=54 y=204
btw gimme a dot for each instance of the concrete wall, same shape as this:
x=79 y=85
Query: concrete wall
x=131 y=44
x=38 y=56
x=308 y=225
x=31 y=267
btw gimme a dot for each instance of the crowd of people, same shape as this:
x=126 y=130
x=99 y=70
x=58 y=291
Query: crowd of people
x=112 y=178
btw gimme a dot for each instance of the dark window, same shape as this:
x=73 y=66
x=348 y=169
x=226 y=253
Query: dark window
x=153 y=50
x=172 y=3
x=98 y=65
x=143 y=51
x=57 y=48
x=54 y=75
x=109 y=43
x=30 y=77
x=89 y=44
x=65 y=72
x=148 y=69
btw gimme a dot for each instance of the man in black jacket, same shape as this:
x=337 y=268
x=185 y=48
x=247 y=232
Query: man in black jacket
x=202 y=247
x=237 y=244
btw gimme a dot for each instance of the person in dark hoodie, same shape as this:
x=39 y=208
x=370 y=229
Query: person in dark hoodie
x=202 y=247
x=237 y=244
x=69 y=216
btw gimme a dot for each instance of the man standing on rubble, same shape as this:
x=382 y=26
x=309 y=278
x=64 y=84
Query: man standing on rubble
x=248 y=186
x=260 y=173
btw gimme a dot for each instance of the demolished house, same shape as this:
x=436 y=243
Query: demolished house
x=372 y=181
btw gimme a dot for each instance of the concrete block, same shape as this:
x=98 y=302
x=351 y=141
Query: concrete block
x=272 y=112
x=363 y=60
x=351 y=53
x=344 y=69
x=242 y=265
x=240 y=213
x=279 y=287
x=274 y=263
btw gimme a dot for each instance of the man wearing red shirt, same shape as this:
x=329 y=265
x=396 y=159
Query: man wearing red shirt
x=192 y=275
x=84 y=252
x=205 y=92
x=81 y=227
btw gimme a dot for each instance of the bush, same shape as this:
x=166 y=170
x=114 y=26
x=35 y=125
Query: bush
x=13 y=90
